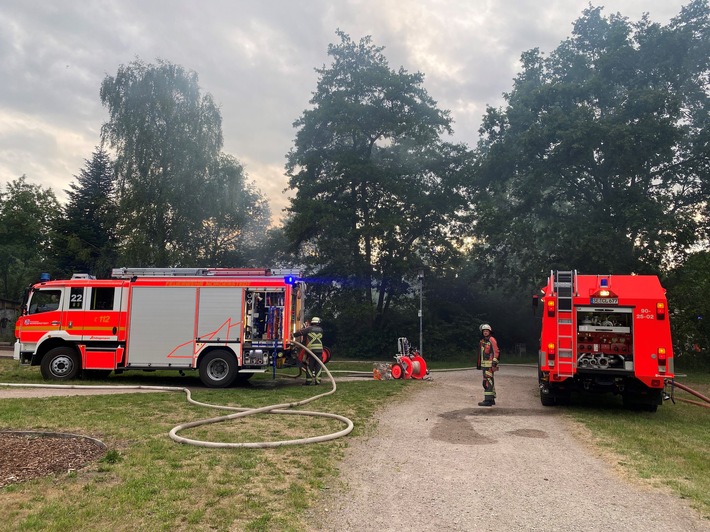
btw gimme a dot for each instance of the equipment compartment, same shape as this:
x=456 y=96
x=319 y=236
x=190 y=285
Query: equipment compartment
x=604 y=338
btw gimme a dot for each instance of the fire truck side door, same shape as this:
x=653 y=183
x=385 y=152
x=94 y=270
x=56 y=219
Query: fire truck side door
x=44 y=314
x=102 y=314
x=73 y=307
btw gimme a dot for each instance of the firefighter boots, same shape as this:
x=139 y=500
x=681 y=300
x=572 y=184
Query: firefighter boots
x=487 y=402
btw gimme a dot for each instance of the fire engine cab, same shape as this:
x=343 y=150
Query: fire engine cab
x=604 y=333
x=228 y=324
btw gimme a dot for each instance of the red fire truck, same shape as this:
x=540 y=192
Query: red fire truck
x=227 y=324
x=605 y=333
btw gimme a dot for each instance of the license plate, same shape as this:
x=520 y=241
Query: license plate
x=605 y=301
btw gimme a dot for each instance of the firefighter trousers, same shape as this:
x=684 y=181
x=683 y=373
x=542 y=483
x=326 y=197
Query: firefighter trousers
x=313 y=369
x=489 y=388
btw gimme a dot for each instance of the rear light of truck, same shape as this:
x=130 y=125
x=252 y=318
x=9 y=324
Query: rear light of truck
x=662 y=360
x=551 y=354
x=550 y=307
x=660 y=310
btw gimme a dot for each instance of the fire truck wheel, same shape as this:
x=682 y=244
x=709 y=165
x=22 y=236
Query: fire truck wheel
x=60 y=364
x=218 y=369
x=547 y=399
x=634 y=402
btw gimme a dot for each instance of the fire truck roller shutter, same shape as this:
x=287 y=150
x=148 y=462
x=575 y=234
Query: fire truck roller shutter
x=162 y=326
x=220 y=313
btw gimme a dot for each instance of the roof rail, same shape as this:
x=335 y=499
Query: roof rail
x=127 y=273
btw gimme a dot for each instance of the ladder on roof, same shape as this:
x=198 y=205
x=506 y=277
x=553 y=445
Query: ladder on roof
x=127 y=273
x=565 y=286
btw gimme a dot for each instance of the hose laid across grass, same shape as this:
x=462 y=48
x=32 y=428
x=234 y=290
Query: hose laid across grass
x=240 y=412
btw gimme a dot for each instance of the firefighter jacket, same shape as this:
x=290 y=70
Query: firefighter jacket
x=313 y=336
x=488 y=353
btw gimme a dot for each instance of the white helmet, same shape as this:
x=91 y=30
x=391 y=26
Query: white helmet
x=315 y=320
x=485 y=327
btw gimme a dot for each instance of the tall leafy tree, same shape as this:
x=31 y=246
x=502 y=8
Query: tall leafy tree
x=377 y=189
x=238 y=219
x=86 y=239
x=28 y=214
x=688 y=288
x=599 y=159
x=166 y=135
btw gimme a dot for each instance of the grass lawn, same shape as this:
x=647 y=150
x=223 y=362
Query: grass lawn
x=147 y=481
x=669 y=448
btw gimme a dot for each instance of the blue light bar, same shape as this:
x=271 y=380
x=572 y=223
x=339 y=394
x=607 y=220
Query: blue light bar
x=604 y=283
x=290 y=279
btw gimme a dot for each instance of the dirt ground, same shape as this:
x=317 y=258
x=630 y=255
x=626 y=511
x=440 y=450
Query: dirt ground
x=24 y=456
x=440 y=462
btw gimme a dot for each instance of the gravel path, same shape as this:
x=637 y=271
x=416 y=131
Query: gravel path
x=438 y=462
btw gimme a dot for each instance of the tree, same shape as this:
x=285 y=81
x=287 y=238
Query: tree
x=86 y=240
x=378 y=191
x=237 y=222
x=599 y=159
x=166 y=136
x=28 y=213
x=688 y=288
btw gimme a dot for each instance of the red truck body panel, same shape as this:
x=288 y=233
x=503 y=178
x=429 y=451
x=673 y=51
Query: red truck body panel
x=155 y=320
x=605 y=332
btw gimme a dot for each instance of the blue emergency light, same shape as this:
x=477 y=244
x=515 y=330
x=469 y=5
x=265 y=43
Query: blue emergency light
x=604 y=283
x=290 y=279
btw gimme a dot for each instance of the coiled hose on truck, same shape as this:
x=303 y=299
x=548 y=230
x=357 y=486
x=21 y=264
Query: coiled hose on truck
x=282 y=408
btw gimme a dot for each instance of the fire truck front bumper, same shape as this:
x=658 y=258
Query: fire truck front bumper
x=23 y=356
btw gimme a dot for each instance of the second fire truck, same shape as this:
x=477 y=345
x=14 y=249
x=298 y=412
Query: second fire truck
x=227 y=324
x=605 y=333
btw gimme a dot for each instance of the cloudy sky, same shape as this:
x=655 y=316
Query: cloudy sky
x=257 y=59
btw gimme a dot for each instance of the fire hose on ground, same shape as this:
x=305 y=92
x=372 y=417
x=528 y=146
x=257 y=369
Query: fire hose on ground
x=282 y=408
x=683 y=387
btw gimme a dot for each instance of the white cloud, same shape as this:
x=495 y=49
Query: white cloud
x=257 y=59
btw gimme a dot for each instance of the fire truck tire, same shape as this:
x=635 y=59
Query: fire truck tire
x=218 y=369
x=637 y=403
x=547 y=399
x=555 y=396
x=60 y=364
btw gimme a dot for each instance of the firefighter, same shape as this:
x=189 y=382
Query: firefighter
x=488 y=355
x=312 y=337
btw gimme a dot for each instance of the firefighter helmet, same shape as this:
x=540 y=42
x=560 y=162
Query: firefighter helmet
x=315 y=320
x=485 y=327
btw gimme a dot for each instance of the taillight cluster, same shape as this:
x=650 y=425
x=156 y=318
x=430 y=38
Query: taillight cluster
x=660 y=310
x=551 y=354
x=662 y=360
